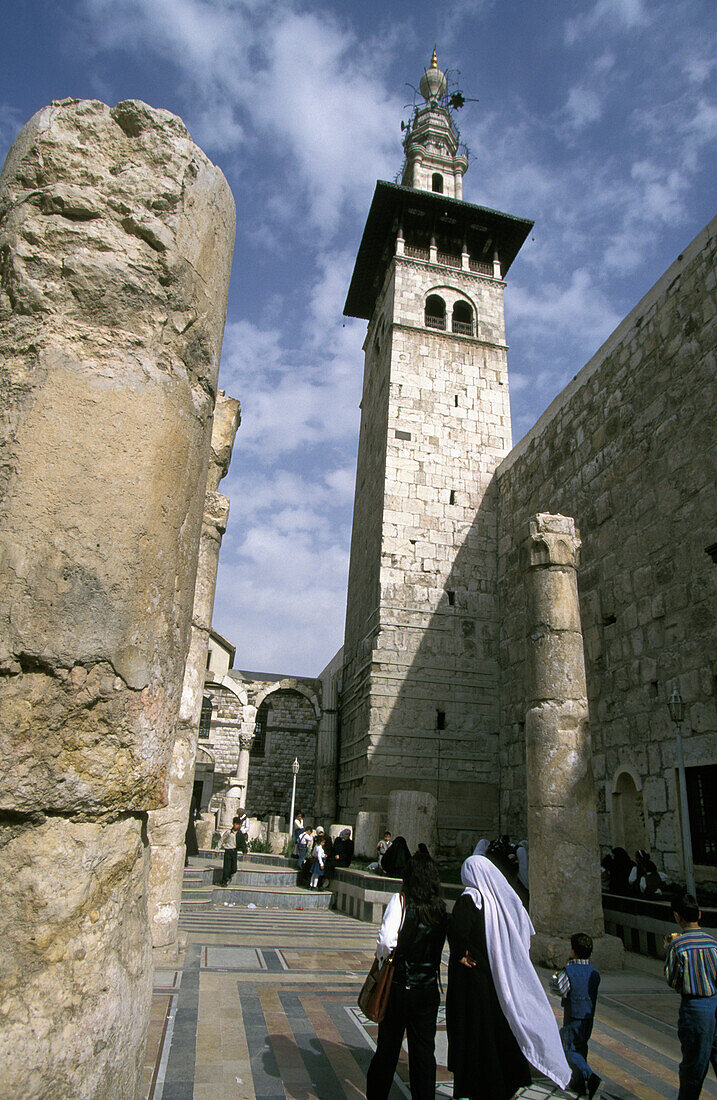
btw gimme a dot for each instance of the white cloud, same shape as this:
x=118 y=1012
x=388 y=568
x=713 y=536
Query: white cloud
x=583 y=107
x=613 y=15
x=558 y=308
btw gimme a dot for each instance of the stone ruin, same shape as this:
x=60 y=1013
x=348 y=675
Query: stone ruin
x=116 y=237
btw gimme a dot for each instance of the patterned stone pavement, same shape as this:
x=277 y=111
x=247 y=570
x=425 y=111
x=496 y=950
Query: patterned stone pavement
x=263 y=1007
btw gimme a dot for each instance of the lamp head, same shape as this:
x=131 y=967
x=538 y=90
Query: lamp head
x=677 y=707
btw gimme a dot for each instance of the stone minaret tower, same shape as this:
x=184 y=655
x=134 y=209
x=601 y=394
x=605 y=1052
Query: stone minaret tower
x=419 y=704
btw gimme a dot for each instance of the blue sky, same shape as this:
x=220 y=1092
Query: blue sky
x=596 y=118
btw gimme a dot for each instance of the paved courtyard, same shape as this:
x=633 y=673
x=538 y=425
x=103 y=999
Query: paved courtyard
x=263 y=1007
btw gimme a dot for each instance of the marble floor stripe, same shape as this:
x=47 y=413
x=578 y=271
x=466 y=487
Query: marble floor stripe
x=334 y=1046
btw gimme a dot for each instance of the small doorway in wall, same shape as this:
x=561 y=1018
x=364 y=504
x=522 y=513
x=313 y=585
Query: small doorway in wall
x=629 y=830
x=437 y=183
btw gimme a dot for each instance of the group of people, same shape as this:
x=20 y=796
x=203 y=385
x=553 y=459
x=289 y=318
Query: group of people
x=317 y=854
x=499 y=1021
x=498 y=1018
x=620 y=874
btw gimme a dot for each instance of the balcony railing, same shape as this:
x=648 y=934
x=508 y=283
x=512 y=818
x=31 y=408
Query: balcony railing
x=449 y=259
x=416 y=253
x=481 y=267
x=465 y=328
x=435 y=322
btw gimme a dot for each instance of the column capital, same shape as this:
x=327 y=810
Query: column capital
x=550 y=540
x=246 y=739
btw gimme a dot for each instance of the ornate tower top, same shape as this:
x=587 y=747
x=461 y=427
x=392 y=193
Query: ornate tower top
x=433 y=81
x=431 y=143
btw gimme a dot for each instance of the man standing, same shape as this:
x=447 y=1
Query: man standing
x=229 y=844
x=691 y=969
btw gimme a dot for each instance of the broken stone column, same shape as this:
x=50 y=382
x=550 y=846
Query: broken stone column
x=367 y=833
x=167 y=827
x=565 y=895
x=116 y=235
x=413 y=814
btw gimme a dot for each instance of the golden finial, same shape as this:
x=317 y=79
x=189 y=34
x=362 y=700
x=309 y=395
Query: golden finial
x=434 y=59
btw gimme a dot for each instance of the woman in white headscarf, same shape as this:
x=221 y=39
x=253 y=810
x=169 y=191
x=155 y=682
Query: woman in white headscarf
x=498 y=1018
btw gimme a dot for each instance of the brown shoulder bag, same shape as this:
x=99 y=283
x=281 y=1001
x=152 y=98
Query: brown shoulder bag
x=373 y=998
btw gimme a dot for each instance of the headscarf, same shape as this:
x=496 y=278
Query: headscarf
x=395 y=860
x=508 y=929
x=481 y=847
x=345 y=834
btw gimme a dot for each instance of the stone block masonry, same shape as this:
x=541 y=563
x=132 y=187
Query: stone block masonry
x=629 y=450
x=420 y=684
x=116 y=235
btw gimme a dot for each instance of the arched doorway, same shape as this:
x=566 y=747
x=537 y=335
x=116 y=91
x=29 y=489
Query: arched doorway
x=629 y=829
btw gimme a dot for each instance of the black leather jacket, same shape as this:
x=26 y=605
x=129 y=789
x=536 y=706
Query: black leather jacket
x=418 y=951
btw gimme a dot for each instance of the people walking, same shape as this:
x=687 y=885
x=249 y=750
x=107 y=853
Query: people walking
x=691 y=969
x=577 y=986
x=498 y=1018
x=414 y=928
x=228 y=842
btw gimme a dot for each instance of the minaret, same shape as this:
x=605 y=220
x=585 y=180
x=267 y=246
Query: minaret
x=419 y=703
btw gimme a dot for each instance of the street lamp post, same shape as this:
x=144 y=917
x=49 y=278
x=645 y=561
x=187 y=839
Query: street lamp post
x=295 y=771
x=677 y=711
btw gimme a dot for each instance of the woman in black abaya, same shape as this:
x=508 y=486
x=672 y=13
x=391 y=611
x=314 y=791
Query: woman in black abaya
x=498 y=1019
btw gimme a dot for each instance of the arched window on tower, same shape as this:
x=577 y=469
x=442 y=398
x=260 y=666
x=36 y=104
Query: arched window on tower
x=435 y=312
x=462 y=319
x=437 y=183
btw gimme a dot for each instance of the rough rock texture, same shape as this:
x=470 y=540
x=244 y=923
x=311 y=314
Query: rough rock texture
x=562 y=812
x=413 y=815
x=116 y=235
x=167 y=827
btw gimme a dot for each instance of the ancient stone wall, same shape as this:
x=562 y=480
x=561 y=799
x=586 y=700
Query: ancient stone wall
x=629 y=450
x=290 y=731
x=116 y=236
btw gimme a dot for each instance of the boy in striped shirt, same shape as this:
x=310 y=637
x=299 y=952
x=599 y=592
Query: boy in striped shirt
x=691 y=969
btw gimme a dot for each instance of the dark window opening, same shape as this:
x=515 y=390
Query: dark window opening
x=452 y=499
x=440 y=719
x=462 y=319
x=437 y=183
x=435 y=312
x=701 y=802
x=654 y=689
x=258 y=747
x=451 y=598
x=456 y=400
x=205 y=718
x=402 y=435
x=609 y=620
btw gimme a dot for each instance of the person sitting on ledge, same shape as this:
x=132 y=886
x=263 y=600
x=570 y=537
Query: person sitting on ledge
x=343 y=851
x=396 y=859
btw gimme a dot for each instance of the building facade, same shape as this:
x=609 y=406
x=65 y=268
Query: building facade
x=431 y=689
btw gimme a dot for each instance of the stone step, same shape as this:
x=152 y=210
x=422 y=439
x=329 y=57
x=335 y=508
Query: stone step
x=271 y=861
x=254 y=875
x=278 y=897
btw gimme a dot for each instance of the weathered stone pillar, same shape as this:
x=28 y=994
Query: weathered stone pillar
x=327 y=751
x=413 y=814
x=246 y=740
x=565 y=894
x=367 y=833
x=167 y=827
x=116 y=234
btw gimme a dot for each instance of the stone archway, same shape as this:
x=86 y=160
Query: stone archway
x=629 y=829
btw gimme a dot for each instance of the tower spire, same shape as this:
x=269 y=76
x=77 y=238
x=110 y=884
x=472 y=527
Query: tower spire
x=433 y=162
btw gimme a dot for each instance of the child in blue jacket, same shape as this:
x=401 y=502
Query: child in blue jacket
x=577 y=984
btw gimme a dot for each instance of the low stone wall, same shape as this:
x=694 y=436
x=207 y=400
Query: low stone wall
x=642 y=924
x=365 y=896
